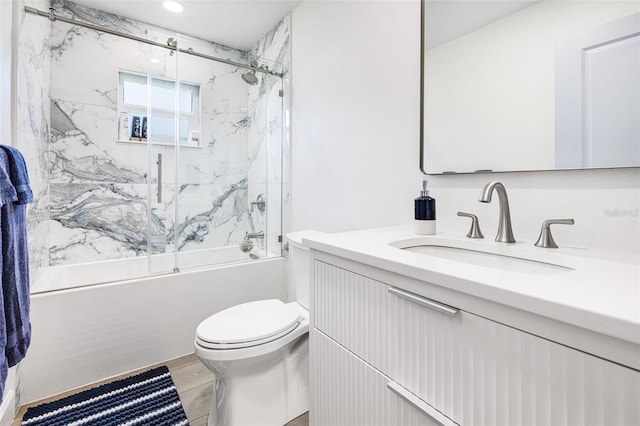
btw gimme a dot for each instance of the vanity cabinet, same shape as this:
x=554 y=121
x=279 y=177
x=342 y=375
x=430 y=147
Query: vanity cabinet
x=388 y=352
x=349 y=392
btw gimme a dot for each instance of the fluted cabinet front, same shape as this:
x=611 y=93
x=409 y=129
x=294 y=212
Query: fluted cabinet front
x=473 y=370
x=352 y=393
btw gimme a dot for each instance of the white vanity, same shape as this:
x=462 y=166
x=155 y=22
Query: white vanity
x=410 y=330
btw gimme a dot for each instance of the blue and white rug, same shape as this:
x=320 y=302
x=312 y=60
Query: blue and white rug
x=149 y=398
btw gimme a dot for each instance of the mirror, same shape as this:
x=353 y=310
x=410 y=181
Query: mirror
x=516 y=85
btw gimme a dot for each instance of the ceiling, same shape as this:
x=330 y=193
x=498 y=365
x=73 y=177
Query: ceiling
x=234 y=23
x=241 y=23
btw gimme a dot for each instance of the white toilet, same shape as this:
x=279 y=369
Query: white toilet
x=259 y=353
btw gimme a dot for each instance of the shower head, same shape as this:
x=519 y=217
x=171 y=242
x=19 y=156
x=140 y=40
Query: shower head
x=250 y=78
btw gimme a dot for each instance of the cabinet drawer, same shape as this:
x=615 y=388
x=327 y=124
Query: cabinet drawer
x=349 y=392
x=473 y=370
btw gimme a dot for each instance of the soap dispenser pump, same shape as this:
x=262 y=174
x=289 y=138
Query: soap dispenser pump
x=425 y=212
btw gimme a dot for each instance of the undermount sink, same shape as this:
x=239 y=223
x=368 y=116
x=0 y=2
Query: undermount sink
x=515 y=258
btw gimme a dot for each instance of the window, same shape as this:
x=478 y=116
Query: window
x=159 y=127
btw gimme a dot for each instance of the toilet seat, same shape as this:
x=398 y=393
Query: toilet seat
x=248 y=324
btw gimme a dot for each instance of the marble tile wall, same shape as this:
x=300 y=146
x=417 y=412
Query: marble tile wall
x=268 y=142
x=32 y=123
x=92 y=203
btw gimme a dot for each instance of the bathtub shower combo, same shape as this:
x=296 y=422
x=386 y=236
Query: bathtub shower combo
x=153 y=152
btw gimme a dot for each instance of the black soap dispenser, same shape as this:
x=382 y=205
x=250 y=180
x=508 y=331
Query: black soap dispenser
x=425 y=212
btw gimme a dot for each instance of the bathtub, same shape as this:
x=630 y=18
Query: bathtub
x=84 y=333
x=54 y=278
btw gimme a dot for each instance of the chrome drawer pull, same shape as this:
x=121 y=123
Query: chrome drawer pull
x=423 y=301
x=420 y=405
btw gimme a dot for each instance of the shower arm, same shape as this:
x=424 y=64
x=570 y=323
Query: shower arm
x=51 y=15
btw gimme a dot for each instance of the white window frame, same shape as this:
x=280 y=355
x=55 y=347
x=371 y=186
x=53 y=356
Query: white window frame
x=193 y=118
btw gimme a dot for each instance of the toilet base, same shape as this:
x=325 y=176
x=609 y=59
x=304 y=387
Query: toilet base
x=268 y=390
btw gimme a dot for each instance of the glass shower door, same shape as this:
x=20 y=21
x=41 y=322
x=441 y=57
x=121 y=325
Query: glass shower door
x=159 y=129
x=212 y=203
x=214 y=144
x=266 y=145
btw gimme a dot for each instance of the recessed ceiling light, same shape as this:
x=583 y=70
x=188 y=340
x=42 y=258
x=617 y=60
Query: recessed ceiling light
x=172 y=6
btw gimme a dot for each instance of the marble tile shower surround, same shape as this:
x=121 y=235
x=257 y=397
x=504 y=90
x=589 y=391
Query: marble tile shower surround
x=32 y=123
x=108 y=180
x=95 y=204
x=268 y=142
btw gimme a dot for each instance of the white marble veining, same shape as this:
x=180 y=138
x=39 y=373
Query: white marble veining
x=32 y=123
x=218 y=219
x=600 y=292
x=83 y=147
x=268 y=134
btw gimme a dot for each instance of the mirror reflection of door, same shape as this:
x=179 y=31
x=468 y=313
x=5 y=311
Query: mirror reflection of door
x=598 y=97
x=612 y=103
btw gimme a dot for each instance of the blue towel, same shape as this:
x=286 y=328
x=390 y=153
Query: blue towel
x=15 y=258
x=18 y=175
x=7 y=191
x=7 y=197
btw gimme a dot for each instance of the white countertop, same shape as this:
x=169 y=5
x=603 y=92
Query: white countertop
x=595 y=290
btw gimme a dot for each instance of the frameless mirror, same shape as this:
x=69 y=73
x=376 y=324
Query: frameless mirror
x=515 y=85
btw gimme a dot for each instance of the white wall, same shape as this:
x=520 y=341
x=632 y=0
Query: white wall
x=355 y=111
x=6 y=51
x=355 y=82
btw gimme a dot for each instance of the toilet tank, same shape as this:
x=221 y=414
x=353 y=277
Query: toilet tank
x=299 y=267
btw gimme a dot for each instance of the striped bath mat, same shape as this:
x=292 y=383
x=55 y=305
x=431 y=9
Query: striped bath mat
x=149 y=398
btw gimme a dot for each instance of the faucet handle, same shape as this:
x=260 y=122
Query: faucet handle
x=545 y=240
x=475 y=231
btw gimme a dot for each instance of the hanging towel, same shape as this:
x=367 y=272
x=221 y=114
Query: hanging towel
x=7 y=197
x=15 y=258
x=18 y=175
x=7 y=191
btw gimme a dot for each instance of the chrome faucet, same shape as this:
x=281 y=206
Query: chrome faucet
x=505 y=233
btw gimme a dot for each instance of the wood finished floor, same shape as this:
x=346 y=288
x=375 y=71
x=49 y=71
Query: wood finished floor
x=193 y=381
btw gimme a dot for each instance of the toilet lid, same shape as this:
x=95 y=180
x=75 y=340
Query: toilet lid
x=249 y=322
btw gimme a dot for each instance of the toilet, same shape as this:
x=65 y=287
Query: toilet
x=259 y=352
